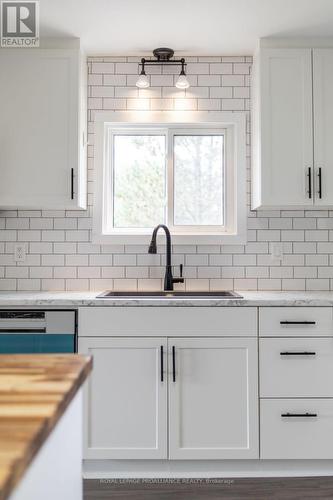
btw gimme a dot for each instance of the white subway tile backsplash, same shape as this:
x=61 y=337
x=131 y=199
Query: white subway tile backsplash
x=293 y=284
x=305 y=272
x=60 y=255
x=29 y=284
x=76 y=260
x=65 y=223
x=78 y=285
x=319 y=235
x=221 y=68
x=209 y=80
x=89 y=272
x=281 y=272
x=233 y=272
x=113 y=272
x=233 y=81
x=124 y=260
x=17 y=223
x=53 y=260
x=65 y=272
x=126 y=68
x=209 y=272
x=244 y=260
x=257 y=272
x=317 y=284
x=17 y=272
x=245 y=284
x=41 y=248
x=114 y=80
x=8 y=235
x=196 y=260
x=50 y=236
x=8 y=284
x=41 y=272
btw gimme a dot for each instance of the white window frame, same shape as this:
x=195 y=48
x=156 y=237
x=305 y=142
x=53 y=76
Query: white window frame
x=232 y=125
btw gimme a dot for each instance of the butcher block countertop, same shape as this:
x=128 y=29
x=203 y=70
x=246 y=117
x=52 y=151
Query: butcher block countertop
x=35 y=391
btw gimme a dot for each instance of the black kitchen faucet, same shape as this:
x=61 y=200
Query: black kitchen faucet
x=169 y=280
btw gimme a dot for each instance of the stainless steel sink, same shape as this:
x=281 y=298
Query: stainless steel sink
x=220 y=294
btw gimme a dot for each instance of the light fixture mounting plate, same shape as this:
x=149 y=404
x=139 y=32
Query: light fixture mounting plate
x=163 y=53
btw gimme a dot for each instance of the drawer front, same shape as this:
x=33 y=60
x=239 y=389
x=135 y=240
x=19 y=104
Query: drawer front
x=296 y=437
x=295 y=321
x=168 y=321
x=295 y=367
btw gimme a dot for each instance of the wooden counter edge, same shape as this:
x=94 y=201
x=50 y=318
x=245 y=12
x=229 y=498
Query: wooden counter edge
x=20 y=466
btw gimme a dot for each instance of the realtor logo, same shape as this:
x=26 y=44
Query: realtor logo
x=20 y=24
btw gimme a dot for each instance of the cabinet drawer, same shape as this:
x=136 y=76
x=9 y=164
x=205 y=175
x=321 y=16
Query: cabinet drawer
x=295 y=321
x=295 y=367
x=296 y=437
x=168 y=321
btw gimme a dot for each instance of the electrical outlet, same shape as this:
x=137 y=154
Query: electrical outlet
x=276 y=251
x=19 y=252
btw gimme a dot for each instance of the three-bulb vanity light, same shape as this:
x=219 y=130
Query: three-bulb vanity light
x=163 y=57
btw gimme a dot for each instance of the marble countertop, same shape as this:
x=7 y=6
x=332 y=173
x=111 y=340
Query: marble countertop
x=81 y=299
x=35 y=391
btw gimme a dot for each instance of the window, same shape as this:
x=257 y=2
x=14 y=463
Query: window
x=138 y=180
x=198 y=172
x=188 y=175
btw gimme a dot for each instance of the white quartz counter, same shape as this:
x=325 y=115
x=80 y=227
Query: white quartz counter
x=78 y=299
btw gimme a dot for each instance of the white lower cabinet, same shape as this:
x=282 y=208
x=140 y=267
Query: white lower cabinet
x=177 y=396
x=213 y=398
x=125 y=398
x=296 y=372
x=296 y=428
x=210 y=385
x=296 y=367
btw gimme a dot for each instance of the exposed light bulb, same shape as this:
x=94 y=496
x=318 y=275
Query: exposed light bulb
x=143 y=81
x=182 y=82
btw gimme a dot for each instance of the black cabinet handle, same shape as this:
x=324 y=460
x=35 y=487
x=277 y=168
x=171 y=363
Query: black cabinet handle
x=72 y=183
x=309 y=183
x=300 y=353
x=173 y=363
x=297 y=322
x=297 y=415
x=319 y=182
x=162 y=363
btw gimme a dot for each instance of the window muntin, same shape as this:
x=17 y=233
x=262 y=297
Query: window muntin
x=198 y=175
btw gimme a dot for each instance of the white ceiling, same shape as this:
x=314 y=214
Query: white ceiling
x=205 y=27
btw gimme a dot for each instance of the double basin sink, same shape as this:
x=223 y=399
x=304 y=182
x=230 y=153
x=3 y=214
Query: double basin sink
x=222 y=294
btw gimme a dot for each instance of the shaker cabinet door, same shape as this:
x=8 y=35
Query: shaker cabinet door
x=213 y=406
x=126 y=398
x=323 y=125
x=41 y=143
x=283 y=165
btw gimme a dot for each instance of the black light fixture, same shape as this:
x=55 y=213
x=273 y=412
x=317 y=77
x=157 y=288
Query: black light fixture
x=163 y=56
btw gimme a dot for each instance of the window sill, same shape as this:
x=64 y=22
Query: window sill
x=177 y=239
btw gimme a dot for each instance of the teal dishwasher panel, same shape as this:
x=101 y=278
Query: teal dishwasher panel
x=30 y=343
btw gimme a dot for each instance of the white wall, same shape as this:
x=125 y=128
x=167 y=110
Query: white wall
x=61 y=257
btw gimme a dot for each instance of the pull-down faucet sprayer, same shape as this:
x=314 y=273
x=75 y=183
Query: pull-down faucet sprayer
x=169 y=280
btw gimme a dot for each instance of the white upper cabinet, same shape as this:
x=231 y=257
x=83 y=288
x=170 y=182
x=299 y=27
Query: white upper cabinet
x=283 y=154
x=292 y=119
x=323 y=125
x=284 y=127
x=42 y=128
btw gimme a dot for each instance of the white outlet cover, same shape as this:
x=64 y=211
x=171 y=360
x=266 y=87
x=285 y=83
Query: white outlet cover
x=276 y=251
x=19 y=252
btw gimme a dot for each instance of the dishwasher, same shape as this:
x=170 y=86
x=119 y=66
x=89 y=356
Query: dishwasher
x=37 y=331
